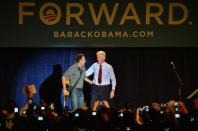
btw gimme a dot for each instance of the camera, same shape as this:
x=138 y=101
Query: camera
x=30 y=101
x=16 y=110
x=40 y=118
x=176 y=104
x=128 y=128
x=24 y=112
x=177 y=109
x=161 y=112
x=35 y=107
x=163 y=105
x=177 y=115
x=42 y=108
x=94 y=113
x=192 y=119
x=77 y=114
x=121 y=114
x=101 y=102
x=52 y=107
x=146 y=108
x=166 y=129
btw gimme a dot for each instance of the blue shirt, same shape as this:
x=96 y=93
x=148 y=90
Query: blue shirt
x=108 y=76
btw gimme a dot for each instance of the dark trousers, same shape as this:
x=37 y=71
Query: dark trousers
x=99 y=93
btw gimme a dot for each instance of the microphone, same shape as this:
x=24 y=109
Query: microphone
x=179 y=80
x=172 y=63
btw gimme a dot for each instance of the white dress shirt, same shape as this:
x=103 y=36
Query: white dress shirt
x=108 y=76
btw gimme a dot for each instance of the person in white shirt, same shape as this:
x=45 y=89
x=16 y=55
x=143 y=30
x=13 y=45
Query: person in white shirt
x=104 y=80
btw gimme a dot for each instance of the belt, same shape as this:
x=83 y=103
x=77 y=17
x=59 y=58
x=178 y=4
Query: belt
x=101 y=85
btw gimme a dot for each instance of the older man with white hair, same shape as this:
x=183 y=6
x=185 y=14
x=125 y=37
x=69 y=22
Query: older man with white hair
x=104 y=80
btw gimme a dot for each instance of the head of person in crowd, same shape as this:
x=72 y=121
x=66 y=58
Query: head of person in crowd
x=106 y=114
x=9 y=108
x=156 y=106
x=130 y=106
x=101 y=56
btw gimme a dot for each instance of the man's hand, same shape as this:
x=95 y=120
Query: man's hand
x=88 y=80
x=138 y=118
x=112 y=93
x=65 y=92
x=183 y=108
x=96 y=104
x=106 y=104
x=171 y=106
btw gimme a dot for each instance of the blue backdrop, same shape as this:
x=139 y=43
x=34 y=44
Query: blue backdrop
x=37 y=67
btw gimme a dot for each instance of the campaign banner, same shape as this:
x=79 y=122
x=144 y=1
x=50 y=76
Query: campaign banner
x=98 y=23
